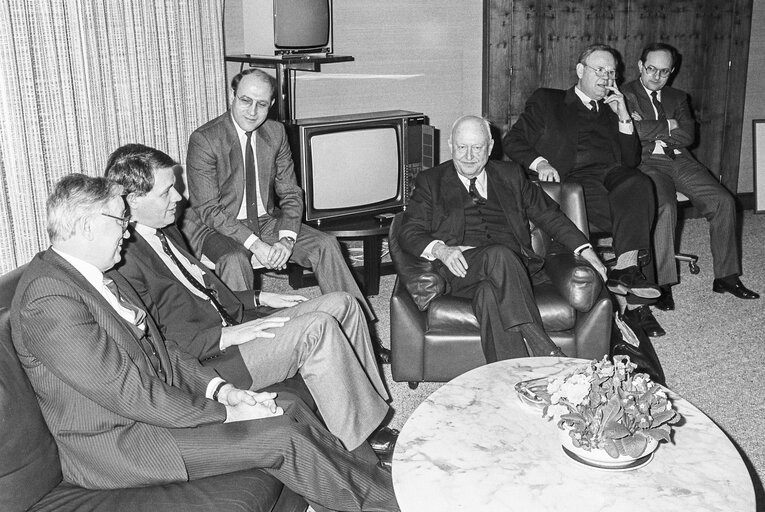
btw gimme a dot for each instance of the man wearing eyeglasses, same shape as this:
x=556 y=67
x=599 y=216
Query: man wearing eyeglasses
x=663 y=120
x=245 y=204
x=585 y=135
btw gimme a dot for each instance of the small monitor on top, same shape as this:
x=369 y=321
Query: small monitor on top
x=287 y=27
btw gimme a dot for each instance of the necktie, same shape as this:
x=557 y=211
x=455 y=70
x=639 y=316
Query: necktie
x=251 y=194
x=144 y=339
x=661 y=115
x=210 y=294
x=476 y=196
x=139 y=314
x=593 y=105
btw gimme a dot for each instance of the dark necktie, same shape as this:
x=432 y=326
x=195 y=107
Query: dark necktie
x=251 y=181
x=144 y=339
x=594 y=105
x=476 y=196
x=210 y=294
x=661 y=115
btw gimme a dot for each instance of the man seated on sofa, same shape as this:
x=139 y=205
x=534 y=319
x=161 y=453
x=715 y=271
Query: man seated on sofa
x=326 y=339
x=127 y=409
x=471 y=216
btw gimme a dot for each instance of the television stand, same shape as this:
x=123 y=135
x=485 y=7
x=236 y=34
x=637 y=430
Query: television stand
x=285 y=95
x=370 y=230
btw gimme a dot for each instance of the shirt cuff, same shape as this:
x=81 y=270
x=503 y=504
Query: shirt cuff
x=428 y=252
x=211 y=387
x=579 y=250
x=250 y=240
x=626 y=128
x=287 y=233
x=538 y=160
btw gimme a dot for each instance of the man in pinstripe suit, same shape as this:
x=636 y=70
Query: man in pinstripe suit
x=125 y=408
x=663 y=120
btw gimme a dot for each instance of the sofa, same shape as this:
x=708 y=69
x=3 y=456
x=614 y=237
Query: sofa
x=30 y=471
x=436 y=337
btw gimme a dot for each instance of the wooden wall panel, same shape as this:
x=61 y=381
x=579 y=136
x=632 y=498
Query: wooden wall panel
x=547 y=36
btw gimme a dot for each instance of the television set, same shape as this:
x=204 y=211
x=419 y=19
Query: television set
x=359 y=164
x=287 y=27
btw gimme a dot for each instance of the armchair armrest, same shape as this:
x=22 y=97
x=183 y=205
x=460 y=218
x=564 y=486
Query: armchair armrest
x=574 y=279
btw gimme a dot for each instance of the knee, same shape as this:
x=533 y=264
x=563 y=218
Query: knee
x=235 y=259
x=501 y=255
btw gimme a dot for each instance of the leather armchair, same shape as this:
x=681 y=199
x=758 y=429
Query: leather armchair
x=435 y=337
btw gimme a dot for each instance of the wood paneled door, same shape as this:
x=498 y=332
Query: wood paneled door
x=534 y=43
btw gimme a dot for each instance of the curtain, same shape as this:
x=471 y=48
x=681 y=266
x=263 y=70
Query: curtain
x=79 y=78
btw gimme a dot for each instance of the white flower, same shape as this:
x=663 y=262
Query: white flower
x=556 y=411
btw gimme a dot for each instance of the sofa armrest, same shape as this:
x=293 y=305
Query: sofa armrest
x=574 y=279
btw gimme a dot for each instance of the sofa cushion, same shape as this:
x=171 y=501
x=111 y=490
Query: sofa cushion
x=244 y=491
x=29 y=465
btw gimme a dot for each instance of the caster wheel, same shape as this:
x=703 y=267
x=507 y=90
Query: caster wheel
x=413 y=385
x=694 y=268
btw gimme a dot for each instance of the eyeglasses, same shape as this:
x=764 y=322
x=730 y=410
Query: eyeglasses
x=602 y=72
x=663 y=72
x=247 y=103
x=124 y=221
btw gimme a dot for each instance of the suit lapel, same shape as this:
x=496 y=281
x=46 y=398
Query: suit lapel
x=236 y=161
x=265 y=155
x=452 y=199
x=572 y=104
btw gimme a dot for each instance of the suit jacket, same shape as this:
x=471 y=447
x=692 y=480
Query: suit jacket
x=182 y=316
x=108 y=410
x=216 y=180
x=548 y=128
x=676 y=106
x=436 y=212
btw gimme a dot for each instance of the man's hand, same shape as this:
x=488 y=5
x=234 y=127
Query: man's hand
x=242 y=333
x=242 y=405
x=673 y=124
x=277 y=300
x=592 y=258
x=260 y=251
x=547 y=172
x=451 y=257
x=615 y=100
x=636 y=116
x=279 y=254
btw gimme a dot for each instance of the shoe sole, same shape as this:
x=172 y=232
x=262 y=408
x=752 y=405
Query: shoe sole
x=644 y=293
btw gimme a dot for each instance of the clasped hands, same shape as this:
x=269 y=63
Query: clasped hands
x=243 y=405
x=272 y=256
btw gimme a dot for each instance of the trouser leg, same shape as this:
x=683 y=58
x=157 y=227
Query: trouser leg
x=298 y=451
x=232 y=261
x=665 y=227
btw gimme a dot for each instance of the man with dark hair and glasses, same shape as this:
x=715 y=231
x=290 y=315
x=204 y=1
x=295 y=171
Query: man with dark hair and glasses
x=585 y=135
x=245 y=204
x=663 y=120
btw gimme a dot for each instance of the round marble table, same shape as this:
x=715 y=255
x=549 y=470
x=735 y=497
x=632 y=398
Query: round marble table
x=473 y=446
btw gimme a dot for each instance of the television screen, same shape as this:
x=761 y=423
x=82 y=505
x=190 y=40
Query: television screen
x=354 y=167
x=301 y=23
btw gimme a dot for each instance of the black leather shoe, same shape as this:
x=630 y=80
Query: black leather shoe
x=737 y=288
x=381 y=353
x=383 y=441
x=630 y=280
x=645 y=319
x=666 y=302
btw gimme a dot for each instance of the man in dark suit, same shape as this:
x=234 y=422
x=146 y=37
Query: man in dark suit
x=127 y=409
x=326 y=339
x=663 y=120
x=472 y=215
x=585 y=135
x=244 y=195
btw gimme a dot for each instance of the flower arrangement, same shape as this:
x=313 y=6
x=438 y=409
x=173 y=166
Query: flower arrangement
x=605 y=405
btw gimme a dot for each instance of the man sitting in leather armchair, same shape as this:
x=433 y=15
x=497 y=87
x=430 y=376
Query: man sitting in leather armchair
x=471 y=216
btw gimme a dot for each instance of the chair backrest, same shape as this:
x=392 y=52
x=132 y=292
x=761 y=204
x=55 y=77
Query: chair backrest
x=29 y=463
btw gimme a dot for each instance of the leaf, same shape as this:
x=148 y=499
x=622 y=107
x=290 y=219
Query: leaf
x=610 y=447
x=634 y=445
x=615 y=430
x=573 y=418
x=663 y=417
x=660 y=434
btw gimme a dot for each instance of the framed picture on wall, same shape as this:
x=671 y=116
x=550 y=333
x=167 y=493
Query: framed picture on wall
x=758 y=163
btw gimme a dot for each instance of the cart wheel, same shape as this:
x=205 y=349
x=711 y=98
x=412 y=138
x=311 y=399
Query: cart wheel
x=694 y=267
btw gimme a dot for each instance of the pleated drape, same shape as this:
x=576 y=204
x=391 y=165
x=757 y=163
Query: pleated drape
x=79 y=78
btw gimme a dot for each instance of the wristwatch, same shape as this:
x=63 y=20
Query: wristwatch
x=291 y=239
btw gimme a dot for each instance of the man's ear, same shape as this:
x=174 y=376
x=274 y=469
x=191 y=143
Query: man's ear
x=131 y=200
x=86 y=228
x=640 y=66
x=579 y=70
